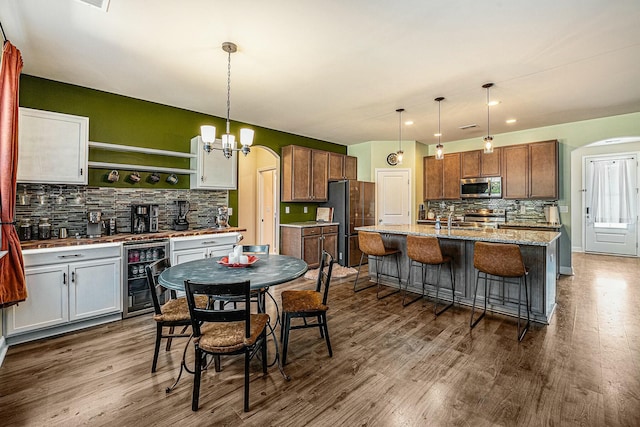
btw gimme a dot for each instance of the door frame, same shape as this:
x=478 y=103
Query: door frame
x=276 y=204
x=585 y=159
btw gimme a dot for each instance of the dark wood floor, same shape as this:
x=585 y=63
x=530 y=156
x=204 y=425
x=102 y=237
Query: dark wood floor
x=391 y=367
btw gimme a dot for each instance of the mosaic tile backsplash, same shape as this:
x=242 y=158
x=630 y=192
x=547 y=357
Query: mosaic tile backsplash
x=67 y=205
x=533 y=209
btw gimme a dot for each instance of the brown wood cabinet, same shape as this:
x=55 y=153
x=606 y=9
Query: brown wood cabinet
x=307 y=243
x=476 y=163
x=530 y=171
x=342 y=167
x=304 y=174
x=442 y=177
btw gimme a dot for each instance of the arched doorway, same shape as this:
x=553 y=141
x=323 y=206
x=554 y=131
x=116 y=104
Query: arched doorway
x=259 y=197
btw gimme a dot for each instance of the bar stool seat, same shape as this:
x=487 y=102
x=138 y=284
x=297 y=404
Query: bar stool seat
x=500 y=261
x=371 y=244
x=426 y=251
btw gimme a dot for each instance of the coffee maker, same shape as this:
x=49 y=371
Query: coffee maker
x=94 y=223
x=180 y=222
x=144 y=218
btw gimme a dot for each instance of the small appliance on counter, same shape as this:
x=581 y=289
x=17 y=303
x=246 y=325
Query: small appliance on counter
x=94 y=224
x=144 y=218
x=551 y=214
x=222 y=220
x=180 y=223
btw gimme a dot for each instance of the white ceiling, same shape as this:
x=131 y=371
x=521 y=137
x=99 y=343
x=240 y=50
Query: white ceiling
x=338 y=70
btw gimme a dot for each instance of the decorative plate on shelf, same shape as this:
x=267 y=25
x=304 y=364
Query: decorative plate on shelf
x=392 y=159
x=225 y=261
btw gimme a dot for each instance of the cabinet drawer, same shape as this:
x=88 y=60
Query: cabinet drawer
x=311 y=231
x=329 y=229
x=34 y=257
x=195 y=242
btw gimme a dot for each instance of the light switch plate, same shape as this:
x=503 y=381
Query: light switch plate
x=230 y=210
x=564 y=209
x=286 y=209
x=305 y=209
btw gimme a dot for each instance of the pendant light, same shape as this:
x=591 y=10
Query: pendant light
x=488 y=140
x=400 y=153
x=439 y=147
x=208 y=132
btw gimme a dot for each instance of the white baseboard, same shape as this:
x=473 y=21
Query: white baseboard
x=3 y=349
x=577 y=249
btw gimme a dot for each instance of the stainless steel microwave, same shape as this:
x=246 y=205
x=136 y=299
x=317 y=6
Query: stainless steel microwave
x=481 y=188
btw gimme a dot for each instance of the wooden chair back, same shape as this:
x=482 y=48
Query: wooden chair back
x=324 y=275
x=156 y=290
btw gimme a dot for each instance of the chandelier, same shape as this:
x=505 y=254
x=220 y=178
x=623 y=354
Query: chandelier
x=439 y=147
x=208 y=132
x=488 y=140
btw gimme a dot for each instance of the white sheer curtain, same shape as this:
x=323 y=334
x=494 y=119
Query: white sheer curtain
x=613 y=192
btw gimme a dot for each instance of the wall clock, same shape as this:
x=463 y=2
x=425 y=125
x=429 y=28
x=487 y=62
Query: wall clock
x=392 y=159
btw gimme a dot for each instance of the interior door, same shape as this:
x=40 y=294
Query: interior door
x=266 y=201
x=610 y=204
x=393 y=196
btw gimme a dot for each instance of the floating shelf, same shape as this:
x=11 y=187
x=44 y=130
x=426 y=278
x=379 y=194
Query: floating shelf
x=140 y=168
x=128 y=148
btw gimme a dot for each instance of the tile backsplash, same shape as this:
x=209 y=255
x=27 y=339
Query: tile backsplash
x=533 y=209
x=67 y=205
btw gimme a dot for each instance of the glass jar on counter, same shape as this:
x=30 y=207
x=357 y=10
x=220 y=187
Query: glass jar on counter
x=44 y=229
x=24 y=229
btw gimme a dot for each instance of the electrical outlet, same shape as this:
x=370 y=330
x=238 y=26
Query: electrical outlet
x=452 y=208
x=305 y=210
x=564 y=209
x=286 y=209
x=523 y=209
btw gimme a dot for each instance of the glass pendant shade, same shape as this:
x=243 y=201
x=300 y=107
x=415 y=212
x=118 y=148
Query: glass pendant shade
x=208 y=133
x=439 y=152
x=246 y=137
x=400 y=155
x=439 y=147
x=488 y=140
x=488 y=144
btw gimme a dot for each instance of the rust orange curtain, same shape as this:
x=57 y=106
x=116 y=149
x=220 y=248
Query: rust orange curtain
x=12 y=283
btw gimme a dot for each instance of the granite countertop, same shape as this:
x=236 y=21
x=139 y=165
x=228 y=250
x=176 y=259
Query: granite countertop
x=303 y=224
x=532 y=224
x=519 y=237
x=123 y=237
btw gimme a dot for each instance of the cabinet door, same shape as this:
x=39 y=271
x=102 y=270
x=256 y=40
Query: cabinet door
x=336 y=166
x=330 y=244
x=491 y=163
x=471 y=164
x=451 y=176
x=296 y=173
x=516 y=172
x=94 y=288
x=320 y=175
x=350 y=167
x=311 y=250
x=178 y=257
x=213 y=170
x=47 y=304
x=543 y=167
x=432 y=178
x=219 y=251
x=39 y=132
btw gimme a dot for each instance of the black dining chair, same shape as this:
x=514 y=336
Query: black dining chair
x=225 y=332
x=168 y=310
x=308 y=304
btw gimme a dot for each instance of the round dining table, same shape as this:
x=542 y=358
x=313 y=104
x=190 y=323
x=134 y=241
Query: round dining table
x=268 y=270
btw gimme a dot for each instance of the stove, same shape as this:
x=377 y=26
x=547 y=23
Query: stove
x=485 y=217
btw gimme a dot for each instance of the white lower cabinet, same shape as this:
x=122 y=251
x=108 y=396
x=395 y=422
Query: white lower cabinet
x=192 y=248
x=66 y=286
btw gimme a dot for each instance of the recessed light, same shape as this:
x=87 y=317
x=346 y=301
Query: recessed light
x=493 y=103
x=437 y=134
x=408 y=122
x=510 y=121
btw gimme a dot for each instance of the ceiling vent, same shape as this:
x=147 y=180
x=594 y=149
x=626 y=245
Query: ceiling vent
x=465 y=127
x=100 y=4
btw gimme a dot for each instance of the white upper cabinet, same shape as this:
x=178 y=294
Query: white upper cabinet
x=213 y=170
x=52 y=147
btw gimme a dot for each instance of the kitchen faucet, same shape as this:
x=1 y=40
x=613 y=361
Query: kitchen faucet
x=449 y=221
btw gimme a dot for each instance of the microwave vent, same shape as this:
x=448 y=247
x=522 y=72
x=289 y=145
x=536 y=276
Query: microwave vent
x=100 y=4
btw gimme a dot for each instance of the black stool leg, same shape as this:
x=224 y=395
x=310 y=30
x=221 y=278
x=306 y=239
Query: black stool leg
x=473 y=323
x=448 y=306
x=406 y=289
x=355 y=283
x=523 y=331
x=378 y=278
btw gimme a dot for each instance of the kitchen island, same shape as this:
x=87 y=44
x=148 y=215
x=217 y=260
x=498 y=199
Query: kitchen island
x=539 y=252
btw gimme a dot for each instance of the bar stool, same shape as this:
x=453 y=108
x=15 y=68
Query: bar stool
x=502 y=261
x=425 y=251
x=371 y=244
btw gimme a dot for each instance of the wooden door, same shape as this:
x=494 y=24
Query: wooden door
x=320 y=175
x=543 y=168
x=336 y=166
x=516 y=172
x=433 y=178
x=393 y=196
x=490 y=163
x=471 y=164
x=451 y=176
x=350 y=167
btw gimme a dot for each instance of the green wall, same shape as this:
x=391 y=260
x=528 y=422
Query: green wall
x=118 y=119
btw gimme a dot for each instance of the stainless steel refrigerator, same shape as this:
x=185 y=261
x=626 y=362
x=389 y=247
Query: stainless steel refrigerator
x=353 y=204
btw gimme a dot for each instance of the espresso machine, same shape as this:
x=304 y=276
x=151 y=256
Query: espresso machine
x=94 y=224
x=180 y=222
x=144 y=218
